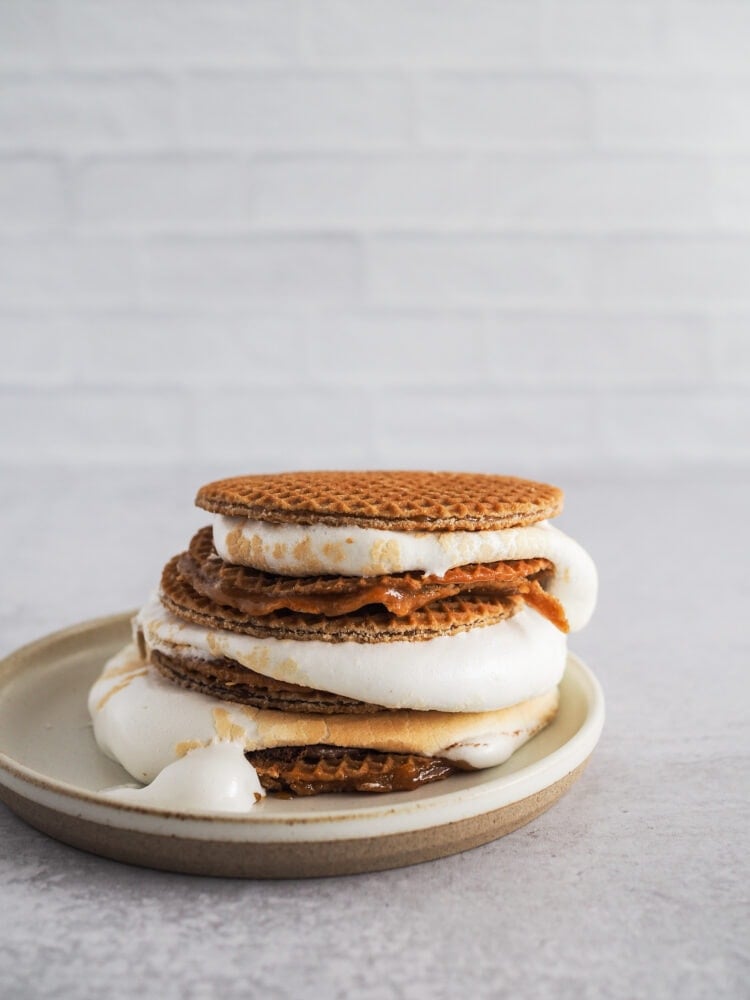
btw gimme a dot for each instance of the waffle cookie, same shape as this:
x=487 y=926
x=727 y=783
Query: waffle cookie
x=229 y=681
x=400 y=501
x=444 y=616
x=348 y=632
x=311 y=770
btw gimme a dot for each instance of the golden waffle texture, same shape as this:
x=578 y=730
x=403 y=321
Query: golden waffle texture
x=441 y=617
x=314 y=769
x=229 y=681
x=260 y=593
x=401 y=501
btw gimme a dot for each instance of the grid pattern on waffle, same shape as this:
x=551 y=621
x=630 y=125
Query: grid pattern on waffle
x=442 y=617
x=314 y=769
x=229 y=681
x=400 y=500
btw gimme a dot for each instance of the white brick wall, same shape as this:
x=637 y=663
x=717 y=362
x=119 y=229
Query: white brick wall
x=72 y=113
x=498 y=234
x=158 y=193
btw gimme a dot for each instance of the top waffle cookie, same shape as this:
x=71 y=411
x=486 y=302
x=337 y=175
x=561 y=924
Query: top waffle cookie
x=400 y=501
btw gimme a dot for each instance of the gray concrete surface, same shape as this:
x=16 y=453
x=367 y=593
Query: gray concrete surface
x=634 y=885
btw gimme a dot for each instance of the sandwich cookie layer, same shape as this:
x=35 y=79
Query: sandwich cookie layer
x=258 y=593
x=146 y=724
x=232 y=682
x=479 y=670
x=319 y=549
x=375 y=625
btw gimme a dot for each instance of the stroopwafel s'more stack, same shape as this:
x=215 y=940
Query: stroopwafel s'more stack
x=346 y=631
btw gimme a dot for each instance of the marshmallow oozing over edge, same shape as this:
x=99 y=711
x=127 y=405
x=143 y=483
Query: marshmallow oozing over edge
x=156 y=731
x=190 y=754
x=320 y=549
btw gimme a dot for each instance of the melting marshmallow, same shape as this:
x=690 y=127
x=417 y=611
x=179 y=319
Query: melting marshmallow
x=314 y=549
x=480 y=670
x=189 y=751
x=172 y=737
x=216 y=778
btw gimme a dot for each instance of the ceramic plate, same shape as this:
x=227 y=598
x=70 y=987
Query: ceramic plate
x=51 y=772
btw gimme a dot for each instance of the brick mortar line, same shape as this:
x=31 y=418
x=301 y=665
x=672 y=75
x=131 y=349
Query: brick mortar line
x=195 y=238
x=79 y=229
x=184 y=387
x=460 y=154
x=656 y=70
x=703 y=313
x=418 y=147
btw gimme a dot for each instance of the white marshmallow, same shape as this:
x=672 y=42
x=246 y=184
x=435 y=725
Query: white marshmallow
x=215 y=778
x=157 y=731
x=480 y=670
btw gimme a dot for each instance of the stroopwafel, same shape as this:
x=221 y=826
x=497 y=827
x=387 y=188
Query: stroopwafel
x=402 y=501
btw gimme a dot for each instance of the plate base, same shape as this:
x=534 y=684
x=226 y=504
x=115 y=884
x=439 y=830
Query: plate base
x=308 y=860
x=52 y=773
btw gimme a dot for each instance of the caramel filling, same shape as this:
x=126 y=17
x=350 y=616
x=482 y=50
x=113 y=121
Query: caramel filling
x=255 y=592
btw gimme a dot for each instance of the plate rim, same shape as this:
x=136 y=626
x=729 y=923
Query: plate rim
x=69 y=799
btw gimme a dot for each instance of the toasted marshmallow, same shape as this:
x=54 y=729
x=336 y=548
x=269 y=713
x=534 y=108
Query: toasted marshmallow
x=320 y=549
x=156 y=730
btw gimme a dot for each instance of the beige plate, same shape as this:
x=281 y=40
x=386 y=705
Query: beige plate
x=51 y=771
